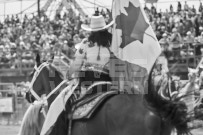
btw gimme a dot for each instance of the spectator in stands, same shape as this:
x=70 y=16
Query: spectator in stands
x=197 y=22
x=200 y=7
x=189 y=38
x=193 y=9
x=200 y=29
x=176 y=38
x=200 y=38
x=179 y=7
x=200 y=74
x=186 y=7
x=171 y=8
x=176 y=41
x=164 y=42
x=153 y=10
x=146 y=8
x=71 y=50
x=188 y=25
x=76 y=39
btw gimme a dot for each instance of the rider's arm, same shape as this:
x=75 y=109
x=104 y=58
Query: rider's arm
x=79 y=59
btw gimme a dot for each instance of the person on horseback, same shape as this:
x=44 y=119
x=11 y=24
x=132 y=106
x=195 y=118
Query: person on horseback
x=161 y=66
x=201 y=77
x=93 y=55
x=89 y=68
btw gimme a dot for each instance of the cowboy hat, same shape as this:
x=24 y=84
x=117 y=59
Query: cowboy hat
x=164 y=35
x=97 y=23
x=189 y=33
x=174 y=30
x=77 y=46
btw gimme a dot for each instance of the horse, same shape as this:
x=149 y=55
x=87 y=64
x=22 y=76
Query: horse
x=166 y=85
x=45 y=79
x=189 y=90
x=129 y=114
x=164 y=82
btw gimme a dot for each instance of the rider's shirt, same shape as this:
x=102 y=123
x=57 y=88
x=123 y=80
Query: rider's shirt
x=90 y=51
x=86 y=57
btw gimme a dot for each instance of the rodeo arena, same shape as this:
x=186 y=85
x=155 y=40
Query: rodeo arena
x=101 y=67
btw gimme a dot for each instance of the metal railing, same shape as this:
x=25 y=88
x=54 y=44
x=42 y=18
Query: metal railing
x=23 y=65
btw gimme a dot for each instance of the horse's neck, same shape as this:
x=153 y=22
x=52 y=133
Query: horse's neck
x=52 y=81
x=49 y=86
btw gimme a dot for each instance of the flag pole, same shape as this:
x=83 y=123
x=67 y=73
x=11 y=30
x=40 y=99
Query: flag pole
x=110 y=15
x=112 y=5
x=112 y=8
x=94 y=6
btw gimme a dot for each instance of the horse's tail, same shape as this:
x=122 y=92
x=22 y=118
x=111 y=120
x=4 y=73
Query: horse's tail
x=172 y=112
x=30 y=124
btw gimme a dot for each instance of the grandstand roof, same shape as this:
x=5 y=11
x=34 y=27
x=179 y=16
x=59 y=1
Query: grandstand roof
x=88 y=6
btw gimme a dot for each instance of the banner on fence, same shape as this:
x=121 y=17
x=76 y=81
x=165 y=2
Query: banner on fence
x=6 y=105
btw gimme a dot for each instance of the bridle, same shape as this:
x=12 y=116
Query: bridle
x=36 y=74
x=36 y=96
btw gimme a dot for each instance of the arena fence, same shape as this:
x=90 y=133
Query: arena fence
x=12 y=104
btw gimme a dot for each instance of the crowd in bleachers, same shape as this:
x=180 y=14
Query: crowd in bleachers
x=178 y=28
x=19 y=40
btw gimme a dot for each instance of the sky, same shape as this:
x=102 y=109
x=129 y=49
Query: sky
x=9 y=7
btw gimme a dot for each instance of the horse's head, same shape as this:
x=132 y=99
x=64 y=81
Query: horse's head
x=192 y=75
x=45 y=77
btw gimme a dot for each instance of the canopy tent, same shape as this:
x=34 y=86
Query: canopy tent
x=151 y=1
x=88 y=6
x=18 y=7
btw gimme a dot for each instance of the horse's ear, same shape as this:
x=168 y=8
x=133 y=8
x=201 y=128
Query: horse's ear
x=37 y=59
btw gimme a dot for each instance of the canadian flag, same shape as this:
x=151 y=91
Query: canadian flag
x=134 y=44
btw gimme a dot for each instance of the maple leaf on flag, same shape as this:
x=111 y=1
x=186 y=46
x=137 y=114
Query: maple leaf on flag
x=133 y=25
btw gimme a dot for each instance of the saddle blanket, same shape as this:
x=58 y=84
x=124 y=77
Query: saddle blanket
x=85 y=109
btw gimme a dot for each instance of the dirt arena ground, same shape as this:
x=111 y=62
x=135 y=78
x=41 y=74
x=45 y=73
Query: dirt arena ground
x=13 y=130
x=9 y=130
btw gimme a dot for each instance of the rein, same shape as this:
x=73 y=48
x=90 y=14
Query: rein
x=37 y=97
x=36 y=74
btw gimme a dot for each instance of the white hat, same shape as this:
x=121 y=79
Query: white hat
x=189 y=33
x=97 y=23
x=174 y=30
x=77 y=46
x=164 y=35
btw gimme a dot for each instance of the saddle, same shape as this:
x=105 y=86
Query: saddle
x=86 y=106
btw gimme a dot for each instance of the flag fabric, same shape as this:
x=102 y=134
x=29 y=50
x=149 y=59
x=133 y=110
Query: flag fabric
x=56 y=108
x=134 y=44
x=151 y=1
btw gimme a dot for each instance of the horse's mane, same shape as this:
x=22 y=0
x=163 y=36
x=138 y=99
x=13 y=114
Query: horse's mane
x=31 y=116
x=173 y=112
